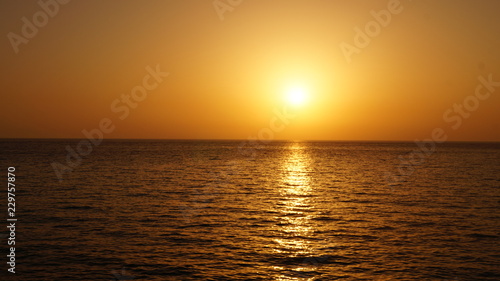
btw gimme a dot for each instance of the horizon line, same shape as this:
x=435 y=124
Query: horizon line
x=276 y=140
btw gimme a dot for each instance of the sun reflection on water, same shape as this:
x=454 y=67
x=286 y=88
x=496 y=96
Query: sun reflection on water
x=295 y=210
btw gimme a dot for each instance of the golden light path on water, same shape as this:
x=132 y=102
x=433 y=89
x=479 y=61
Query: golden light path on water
x=295 y=210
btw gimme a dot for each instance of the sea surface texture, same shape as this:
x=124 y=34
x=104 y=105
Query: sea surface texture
x=217 y=210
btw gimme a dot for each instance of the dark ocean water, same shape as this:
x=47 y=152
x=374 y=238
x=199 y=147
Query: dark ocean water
x=205 y=210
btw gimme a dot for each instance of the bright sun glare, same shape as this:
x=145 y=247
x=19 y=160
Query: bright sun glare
x=297 y=95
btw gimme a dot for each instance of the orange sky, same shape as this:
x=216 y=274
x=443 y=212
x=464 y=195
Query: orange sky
x=229 y=74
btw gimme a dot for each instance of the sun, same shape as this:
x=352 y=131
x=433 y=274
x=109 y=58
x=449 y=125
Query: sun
x=297 y=95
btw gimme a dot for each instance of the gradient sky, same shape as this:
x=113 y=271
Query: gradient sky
x=228 y=77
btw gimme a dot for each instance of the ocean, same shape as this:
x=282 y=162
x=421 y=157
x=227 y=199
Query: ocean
x=213 y=210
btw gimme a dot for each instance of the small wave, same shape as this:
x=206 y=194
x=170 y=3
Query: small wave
x=77 y=208
x=312 y=260
x=384 y=228
x=481 y=236
x=324 y=218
